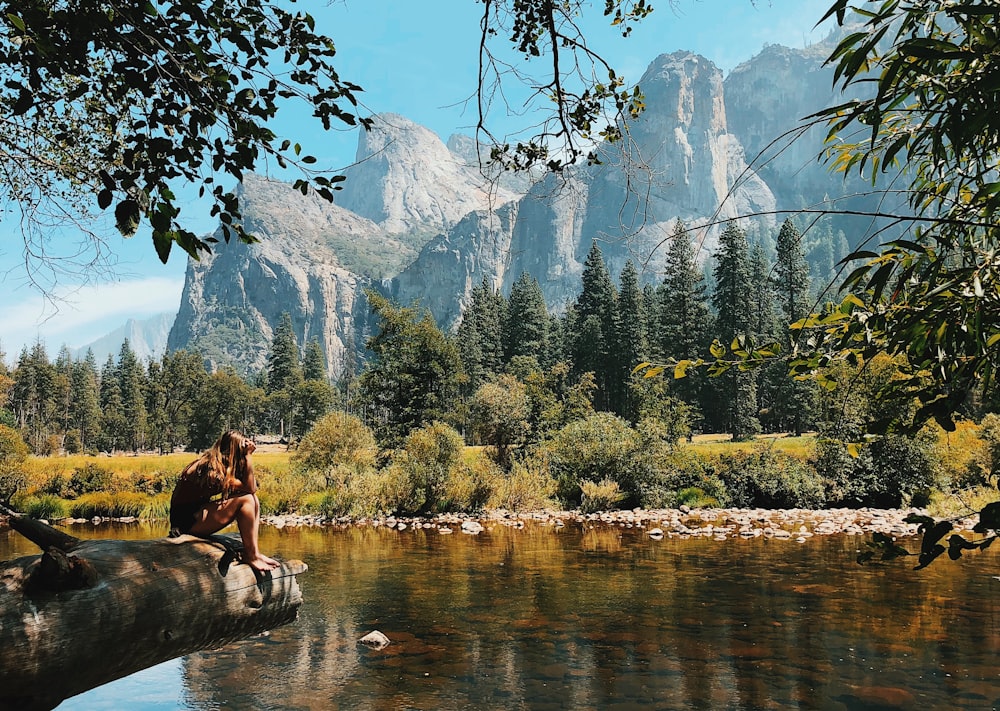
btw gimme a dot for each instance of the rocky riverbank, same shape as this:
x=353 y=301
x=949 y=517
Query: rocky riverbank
x=718 y=524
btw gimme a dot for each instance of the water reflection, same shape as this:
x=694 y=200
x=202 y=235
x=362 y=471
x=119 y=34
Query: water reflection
x=605 y=618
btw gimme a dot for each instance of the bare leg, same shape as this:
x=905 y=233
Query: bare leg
x=245 y=510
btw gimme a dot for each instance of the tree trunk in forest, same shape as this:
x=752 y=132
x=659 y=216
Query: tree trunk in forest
x=87 y=612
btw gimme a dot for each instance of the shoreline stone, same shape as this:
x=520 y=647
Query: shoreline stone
x=796 y=525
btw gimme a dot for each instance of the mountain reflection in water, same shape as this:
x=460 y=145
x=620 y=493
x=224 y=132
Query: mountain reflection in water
x=602 y=618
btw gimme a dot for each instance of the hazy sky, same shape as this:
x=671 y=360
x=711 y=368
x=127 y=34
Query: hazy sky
x=410 y=60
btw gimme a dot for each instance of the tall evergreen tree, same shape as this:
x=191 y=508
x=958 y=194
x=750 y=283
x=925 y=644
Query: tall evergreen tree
x=284 y=375
x=735 y=314
x=794 y=400
x=526 y=322
x=132 y=386
x=595 y=326
x=685 y=323
x=33 y=397
x=631 y=345
x=284 y=370
x=480 y=338
x=85 y=411
x=314 y=362
x=114 y=429
x=414 y=375
x=764 y=329
x=62 y=390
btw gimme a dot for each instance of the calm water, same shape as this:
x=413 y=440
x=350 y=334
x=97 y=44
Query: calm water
x=544 y=618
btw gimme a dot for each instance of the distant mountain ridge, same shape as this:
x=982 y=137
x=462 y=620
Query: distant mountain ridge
x=147 y=338
x=417 y=221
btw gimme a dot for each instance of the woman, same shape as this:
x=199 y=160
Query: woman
x=218 y=488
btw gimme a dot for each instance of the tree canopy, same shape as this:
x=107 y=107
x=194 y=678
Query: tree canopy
x=931 y=292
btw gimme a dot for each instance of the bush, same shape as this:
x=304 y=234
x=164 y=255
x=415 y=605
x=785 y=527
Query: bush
x=88 y=479
x=470 y=485
x=600 y=446
x=768 y=478
x=682 y=471
x=337 y=439
x=599 y=496
x=73 y=442
x=696 y=498
x=429 y=455
x=886 y=473
x=526 y=488
x=13 y=454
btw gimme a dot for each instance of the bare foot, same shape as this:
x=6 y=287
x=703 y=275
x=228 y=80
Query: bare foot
x=262 y=563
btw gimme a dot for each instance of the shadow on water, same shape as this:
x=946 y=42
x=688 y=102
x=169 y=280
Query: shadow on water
x=603 y=618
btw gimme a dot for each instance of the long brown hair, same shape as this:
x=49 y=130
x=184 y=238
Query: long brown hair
x=223 y=465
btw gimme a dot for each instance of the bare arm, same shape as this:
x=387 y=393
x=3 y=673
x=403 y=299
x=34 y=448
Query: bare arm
x=249 y=483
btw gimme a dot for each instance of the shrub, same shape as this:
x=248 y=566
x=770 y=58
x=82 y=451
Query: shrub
x=769 y=478
x=429 y=455
x=680 y=471
x=13 y=454
x=599 y=496
x=886 y=473
x=600 y=446
x=696 y=498
x=88 y=479
x=470 y=485
x=526 y=488
x=73 y=442
x=337 y=439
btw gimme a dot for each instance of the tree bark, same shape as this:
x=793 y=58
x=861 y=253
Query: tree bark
x=87 y=612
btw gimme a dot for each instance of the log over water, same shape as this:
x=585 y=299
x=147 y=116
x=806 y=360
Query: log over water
x=87 y=612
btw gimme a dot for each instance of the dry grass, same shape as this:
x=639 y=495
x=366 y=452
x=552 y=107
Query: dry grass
x=713 y=444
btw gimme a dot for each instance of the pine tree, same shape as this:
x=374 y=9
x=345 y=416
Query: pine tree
x=85 y=409
x=525 y=324
x=735 y=318
x=685 y=323
x=284 y=375
x=480 y=335
x=283 y=369
x=414 y=375
x=631 y=345
x=132 y=385
x=113 y=426
x=794 y=401
x=764 y=330
x=33 y=397
x=181 y=379
x=314 y=362
x=595 y=327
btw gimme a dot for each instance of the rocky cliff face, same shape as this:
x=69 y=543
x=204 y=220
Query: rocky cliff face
x=234 y=298
x=413 y=201
x=406 y=180
x=680 y=161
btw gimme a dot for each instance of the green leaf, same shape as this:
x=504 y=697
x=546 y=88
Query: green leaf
x=716 y=349
x=16 y=21
x=127 y=217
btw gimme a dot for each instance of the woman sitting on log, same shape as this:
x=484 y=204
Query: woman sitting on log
x=218 y=488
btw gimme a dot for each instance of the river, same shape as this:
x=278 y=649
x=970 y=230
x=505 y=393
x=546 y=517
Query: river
x=591 y=618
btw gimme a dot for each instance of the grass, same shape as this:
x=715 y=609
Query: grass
x=713 y=444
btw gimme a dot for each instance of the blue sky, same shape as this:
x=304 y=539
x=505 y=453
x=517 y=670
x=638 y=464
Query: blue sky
x=410 y=60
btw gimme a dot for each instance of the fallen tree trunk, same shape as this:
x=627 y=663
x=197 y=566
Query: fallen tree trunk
x=87 y=612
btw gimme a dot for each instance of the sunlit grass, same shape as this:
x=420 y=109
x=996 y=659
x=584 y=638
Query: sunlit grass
x=713 y=444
